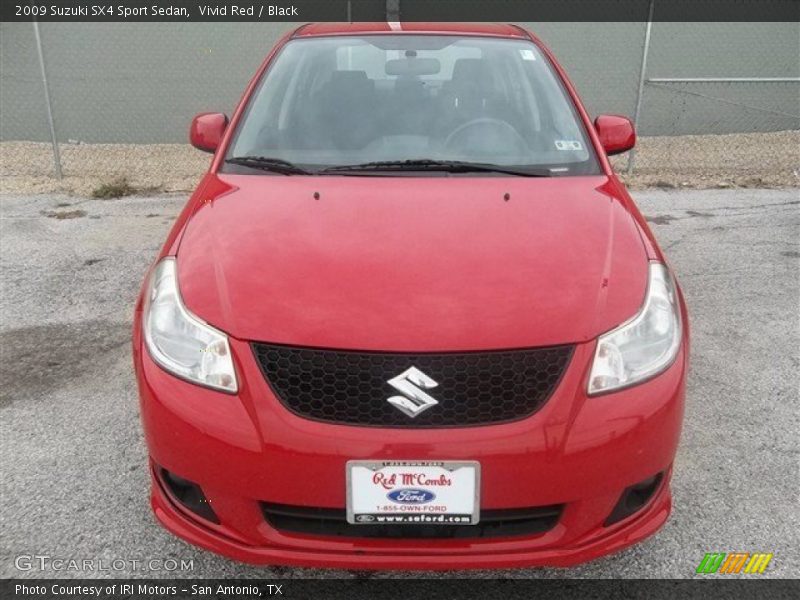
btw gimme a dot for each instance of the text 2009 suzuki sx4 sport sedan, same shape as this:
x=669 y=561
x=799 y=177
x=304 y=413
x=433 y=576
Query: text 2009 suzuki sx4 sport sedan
x=411 y=319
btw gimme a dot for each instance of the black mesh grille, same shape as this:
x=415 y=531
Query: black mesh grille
x=473 y=388
x=332 y=522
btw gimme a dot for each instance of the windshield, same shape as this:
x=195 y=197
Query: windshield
x=339 y=101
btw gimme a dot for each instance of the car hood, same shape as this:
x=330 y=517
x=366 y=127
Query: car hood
x=413 y=263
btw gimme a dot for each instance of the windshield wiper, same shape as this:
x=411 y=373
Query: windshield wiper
x=277 y=165
x=450 y=166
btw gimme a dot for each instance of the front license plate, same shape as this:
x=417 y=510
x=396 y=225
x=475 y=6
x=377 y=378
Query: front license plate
x=413 y=492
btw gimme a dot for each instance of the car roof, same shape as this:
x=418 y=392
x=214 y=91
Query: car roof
x=482 y=29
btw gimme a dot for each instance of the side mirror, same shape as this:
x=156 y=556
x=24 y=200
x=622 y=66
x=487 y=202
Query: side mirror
x=206 y=131
x=616 y=133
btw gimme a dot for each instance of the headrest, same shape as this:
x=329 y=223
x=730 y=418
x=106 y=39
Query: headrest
x=470 y=69
x=349 y=78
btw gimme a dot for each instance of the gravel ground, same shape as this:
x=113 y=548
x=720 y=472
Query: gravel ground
x=74 y=465
x=694 y=161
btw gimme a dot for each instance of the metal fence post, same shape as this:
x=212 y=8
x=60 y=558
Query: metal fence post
x=642 y=75
x=51 y=123
x=392 y=11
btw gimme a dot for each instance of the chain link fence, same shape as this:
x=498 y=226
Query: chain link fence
x=718 y=103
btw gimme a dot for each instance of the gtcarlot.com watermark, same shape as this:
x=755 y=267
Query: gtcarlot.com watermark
x=46 y=562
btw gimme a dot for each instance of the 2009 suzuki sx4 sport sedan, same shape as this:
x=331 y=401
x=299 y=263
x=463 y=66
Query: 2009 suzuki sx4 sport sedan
x=410 y=318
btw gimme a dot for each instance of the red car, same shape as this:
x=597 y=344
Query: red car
x=411 y=319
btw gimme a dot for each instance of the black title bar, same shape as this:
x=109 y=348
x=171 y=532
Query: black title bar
x=378 y=588
x=402 y=10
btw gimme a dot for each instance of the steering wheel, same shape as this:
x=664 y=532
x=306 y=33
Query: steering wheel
x=486 y=136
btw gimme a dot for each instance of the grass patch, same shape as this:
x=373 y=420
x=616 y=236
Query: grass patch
x=65 y=214
x=114 y=189
x=664 y=185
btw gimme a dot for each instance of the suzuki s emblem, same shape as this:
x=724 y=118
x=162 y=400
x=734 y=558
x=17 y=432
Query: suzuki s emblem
x=412 y=383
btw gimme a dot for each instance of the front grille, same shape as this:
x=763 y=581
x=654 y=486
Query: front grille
x=333 y=522
x=474 y=388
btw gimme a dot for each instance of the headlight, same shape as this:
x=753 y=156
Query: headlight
x=181 y=342
x=645 y=345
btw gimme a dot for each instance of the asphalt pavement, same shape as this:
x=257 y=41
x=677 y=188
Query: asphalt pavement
x=74 y=473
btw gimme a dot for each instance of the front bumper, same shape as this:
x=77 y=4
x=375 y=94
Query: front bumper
x=245 y=449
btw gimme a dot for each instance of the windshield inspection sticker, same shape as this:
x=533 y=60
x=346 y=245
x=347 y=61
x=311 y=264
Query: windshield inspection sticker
x=527 y=55
x=568 y=145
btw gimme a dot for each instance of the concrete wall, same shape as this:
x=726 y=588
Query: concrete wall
x=141 y=83
x=603 y=61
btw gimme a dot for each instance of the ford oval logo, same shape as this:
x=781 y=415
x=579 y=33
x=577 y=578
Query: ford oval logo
x=411 y=496
x=365 y=518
